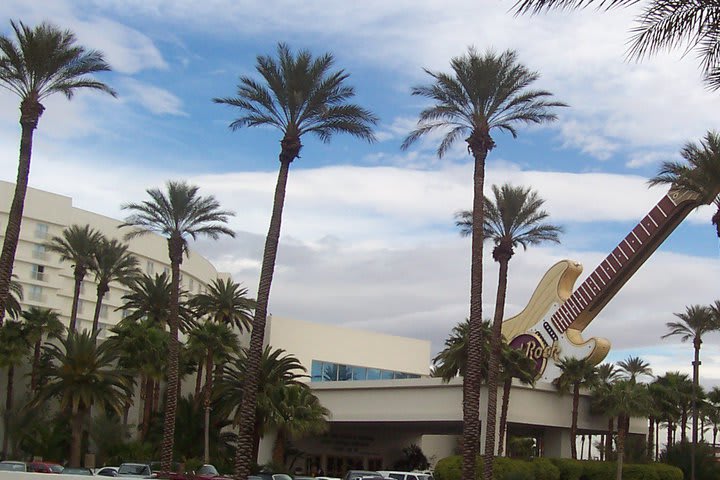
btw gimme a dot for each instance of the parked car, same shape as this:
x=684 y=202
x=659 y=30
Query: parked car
x=44 y=467
x=206 y=472
x=271 y=476
x=77 y=471
x=135 y=470
x=10 y=466
x=400 y=475
x=107 y=472
x=351 y=474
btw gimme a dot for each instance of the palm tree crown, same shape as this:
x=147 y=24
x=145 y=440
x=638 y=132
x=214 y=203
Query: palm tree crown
x=696 y=321
x=634 y=367
x=225 y=302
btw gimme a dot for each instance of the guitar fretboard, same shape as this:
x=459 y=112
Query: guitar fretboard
x=603 y=279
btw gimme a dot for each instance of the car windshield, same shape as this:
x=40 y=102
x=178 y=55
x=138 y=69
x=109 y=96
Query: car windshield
x=133 y=469
x=12 y=467
x=281 y=476
x=76 y=471
x=207 y=470
x=56 y=468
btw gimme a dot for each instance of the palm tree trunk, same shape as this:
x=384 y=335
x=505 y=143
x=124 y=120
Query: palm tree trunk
x=669 y=434
x=279 y=448
x=715 y=430
x=244 y=455
x=30 y=112
x=657 y=440
x=590 y=437
x=76 y=437
x=147 y=408
x=494 y=363
x=198 y=380
x=35 y=366
x=208 y=398
x=608 y=439
x=79 y=275
x=573 y=425
x=507 y=385
x=156 y=396
x=168 y=441
x=683 y=426
x=8 y=408
x=101 y=290
x=650 y=437
x=479 y=144
x=620 y=447
x=582 y=446
x=696 y=379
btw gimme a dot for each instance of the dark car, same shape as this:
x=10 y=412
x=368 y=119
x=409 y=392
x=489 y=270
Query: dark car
x=44 y=467
x=107 y=472
x=10 y=466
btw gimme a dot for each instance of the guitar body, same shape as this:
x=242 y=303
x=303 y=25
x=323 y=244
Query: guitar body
x=533 y=331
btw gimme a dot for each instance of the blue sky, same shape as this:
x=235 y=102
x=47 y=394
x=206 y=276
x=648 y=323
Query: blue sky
x=368 y=237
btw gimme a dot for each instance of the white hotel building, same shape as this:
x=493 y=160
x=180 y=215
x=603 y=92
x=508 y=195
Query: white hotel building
x=376 y=386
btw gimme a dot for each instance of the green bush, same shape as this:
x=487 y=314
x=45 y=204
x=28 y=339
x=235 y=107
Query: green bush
x=640 y=472
x=510 y=469
x=544 y=469
x=705 y=465
x=569 y=469
x=449 y=468
x=593 y=470
x=668 y=472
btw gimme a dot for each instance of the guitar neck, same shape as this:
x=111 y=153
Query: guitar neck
x=617 y=268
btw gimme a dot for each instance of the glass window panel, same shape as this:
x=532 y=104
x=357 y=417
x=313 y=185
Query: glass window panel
x=373 y=374
x=330 y=372
x=359 y=373
x=316 y=371
x=386 y=375
x=400 y=375
x=344 y=373
x=412 y=375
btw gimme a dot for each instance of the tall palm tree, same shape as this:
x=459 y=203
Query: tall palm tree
x=299 y=94
x=696 y=321
x=111 y=262
x=607 y=374
x=484 y=93
x=576 y=374
x=177 y=214
x=634 y=367
x=628 y=399
x=699 y=174
x=514 y=364
x=277 y=369
x=513 y=218
x=149 y=297
x=40 y=323
x=77 y=244
x=37 y=63
x=298 y=412
x=663 y=24
x=219 y=342
x=225 y=302
x=13 y=348
x=83 y=374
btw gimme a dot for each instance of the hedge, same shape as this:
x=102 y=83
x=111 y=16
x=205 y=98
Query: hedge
x=450 y=468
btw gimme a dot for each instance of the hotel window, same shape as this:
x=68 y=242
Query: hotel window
x=125 y=314
x=38 y=273
x=386 y=375
x=150 y=267
x=344 y=373
x=41 y=230
x=191 y=284
x=166 y=270
x=359 y=373
x=35 y=293
x=39 y=252
x=103 y=311
x=80 y=307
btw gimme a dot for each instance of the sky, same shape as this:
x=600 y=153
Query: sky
x=368 y=237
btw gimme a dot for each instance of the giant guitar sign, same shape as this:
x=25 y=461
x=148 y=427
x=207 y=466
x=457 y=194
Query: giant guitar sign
x=550 y=326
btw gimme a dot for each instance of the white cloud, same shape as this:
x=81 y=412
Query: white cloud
x=155 y=99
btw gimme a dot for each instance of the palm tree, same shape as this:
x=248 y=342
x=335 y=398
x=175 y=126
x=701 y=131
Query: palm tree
x=576 y=374
x=484 y=93
x=112 y=262
x=298 y=94
x=13 y=307
x=178 y=214
x=77 y=245
x=634 y=367
x=627 y=399
x=149 y=297
x=297 y=412
x=40 y=323
x=40 y=61
x=700 y=175
x=82 y=374
x=515 y=364
x=451 y=361
x=515 y=218
x=225 y=302
x=714 y=402
x=219 y=342
x=676 y=394
x=606 y=376
x=13 y=348
x=277 y=368
x=663 y=24
x=696 y=321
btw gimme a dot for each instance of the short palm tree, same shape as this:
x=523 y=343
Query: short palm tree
x=484 y=93
x=14 y=346
x=714 y=402
x=298 y=412
x=225 y=302
x=82 y=374
x=576 y=374
x=514 y=364
x=40 y=323
x=661 y=25
x=39 y=62
x=77 y=245
x=178 y=214
x=627 y=399
x=696 y=321
x=699 y=174
x=299 y=94
x=149 y=298
x=451 y=361
x=111 y=262
x=633 y=367
x=277 y=369
x=514 y=217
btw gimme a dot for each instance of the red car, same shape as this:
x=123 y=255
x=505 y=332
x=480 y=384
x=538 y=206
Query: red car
x=44 y=467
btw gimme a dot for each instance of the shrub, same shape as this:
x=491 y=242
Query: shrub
x=668 y=472
x=510 y=469
x=544 y=469
x=449 y=468
x=569 y=469
x=593 y=470
x=640 y=472
x=678 y=455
